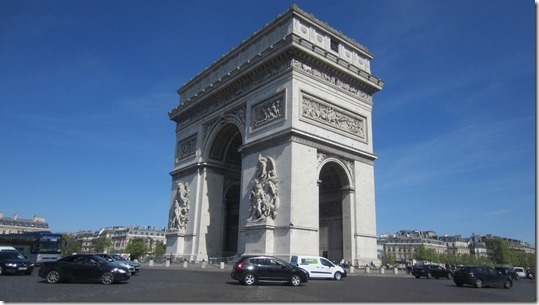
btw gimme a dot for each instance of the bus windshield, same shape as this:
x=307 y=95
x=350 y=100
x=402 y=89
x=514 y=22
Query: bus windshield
x=50 y=244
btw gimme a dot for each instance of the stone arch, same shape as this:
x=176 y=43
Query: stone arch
x=335 y=206
x=223 y=161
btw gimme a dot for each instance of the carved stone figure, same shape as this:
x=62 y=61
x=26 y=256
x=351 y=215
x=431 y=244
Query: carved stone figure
x=264 y=195
x=180 y=210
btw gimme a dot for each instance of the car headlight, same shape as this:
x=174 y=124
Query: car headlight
x=11 y=264
x=119 y=270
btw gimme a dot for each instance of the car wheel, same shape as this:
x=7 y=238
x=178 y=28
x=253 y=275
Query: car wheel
x=507 y=284
x=1 y=270
x=429 y=275
x=417 y=276
x=338 y=276
x=449 y=276
x=53 y=277
x=107 y=278
x=478 y=283
x=459 y=284
x=295 y=280
x=249 y=279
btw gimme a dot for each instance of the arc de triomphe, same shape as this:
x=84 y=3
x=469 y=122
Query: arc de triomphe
x=274 y=148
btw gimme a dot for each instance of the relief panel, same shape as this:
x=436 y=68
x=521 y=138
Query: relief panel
x=324 y=114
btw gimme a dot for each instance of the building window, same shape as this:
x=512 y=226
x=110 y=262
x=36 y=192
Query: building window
x=334 y=46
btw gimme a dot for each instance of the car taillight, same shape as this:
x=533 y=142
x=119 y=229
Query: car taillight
x=240 y=266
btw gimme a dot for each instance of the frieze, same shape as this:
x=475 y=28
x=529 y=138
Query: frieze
x=268 y=111
x=333 y=80
x=218 y=102
x=186 y=148
x=333 y=116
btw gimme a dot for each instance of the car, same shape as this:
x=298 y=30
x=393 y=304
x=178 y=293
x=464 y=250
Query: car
x=431 y=271
x=318 y=267
x=521 y=274
x=253 y=269
x=7 y=248
x=510 y=271
x=84 y=268
x=134 y=267
x=481 y=276
x=14 y=262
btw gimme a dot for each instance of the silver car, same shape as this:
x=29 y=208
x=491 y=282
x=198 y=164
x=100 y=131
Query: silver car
x=134 y=267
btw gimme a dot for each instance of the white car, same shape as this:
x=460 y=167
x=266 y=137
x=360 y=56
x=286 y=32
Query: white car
x=520 y=272
x=318 y=267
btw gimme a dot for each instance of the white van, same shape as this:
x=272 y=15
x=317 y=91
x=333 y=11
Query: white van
x=7 y=248
x=318 y=267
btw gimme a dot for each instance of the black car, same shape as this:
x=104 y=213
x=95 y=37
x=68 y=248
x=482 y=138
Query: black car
x=508 y=271
x=431 y=271
x=250 y=270
x=13 y=262
x=481 y=276
x=84 y=268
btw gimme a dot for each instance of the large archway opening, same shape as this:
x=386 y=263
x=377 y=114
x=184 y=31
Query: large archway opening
x=330 y=207
x=225 y=153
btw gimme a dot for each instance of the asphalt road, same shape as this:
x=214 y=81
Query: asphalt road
x=182 y=285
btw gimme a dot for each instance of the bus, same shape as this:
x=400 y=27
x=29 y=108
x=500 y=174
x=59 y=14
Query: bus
x=38 y=247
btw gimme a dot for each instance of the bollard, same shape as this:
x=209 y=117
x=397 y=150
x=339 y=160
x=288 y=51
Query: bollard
x=396 y=270
x=203 y=264
x=151 y=262
x=382 y=270
x=351 y=269
x=184 y=264
x=167 y=263
x=367 y=269
x=222 y=265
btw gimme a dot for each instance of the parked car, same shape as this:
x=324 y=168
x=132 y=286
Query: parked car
x=521 y=274
x=84 y=268
x=249 y=270
x=318 y=267
x=431 y=271
x=509 y=271
x=134 y=267
x=481 y=276
x=14 y=262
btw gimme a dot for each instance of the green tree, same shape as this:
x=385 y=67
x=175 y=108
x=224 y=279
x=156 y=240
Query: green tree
x=136 y=247
x=424 y=254
x=102 y=244
x=389 y=259
x=498 y=251
x=160 y=248
x=70 y=245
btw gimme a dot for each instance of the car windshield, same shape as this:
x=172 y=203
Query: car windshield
x=99 y=259
x=11 y=255
x=117 y=257
x=281 y=261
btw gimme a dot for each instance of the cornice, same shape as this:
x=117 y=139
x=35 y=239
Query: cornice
x=281 y=33
x=310 y=140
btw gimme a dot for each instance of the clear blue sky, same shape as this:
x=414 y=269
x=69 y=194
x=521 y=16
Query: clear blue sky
x=86 y=86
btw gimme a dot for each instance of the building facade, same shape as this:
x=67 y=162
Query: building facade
x=16 y=224
x=119 y=237
x=274 y=148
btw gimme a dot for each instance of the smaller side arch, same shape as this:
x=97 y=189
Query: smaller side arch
x=344 y=170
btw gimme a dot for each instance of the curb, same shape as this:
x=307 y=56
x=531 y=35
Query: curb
x=228 y=268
